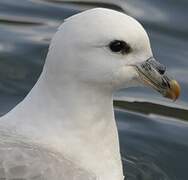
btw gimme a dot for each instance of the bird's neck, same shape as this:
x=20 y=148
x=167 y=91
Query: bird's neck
x=78 y=120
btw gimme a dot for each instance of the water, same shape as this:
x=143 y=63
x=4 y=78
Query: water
x=153 y=131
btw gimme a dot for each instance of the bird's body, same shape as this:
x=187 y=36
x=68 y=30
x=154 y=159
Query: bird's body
x=65 y=128
x=21 y=158
x=82 y=139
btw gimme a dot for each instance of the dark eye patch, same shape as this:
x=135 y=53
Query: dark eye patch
x=119 y=46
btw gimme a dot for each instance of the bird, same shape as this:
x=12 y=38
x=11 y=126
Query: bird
x=65 y=128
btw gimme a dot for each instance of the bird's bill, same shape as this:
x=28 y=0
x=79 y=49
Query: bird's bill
x=152 y=73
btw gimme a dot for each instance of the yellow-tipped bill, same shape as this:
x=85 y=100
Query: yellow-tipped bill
x=174 y=91
x=153 y=74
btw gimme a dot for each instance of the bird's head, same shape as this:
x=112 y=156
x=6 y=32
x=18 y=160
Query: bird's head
x=109 y=49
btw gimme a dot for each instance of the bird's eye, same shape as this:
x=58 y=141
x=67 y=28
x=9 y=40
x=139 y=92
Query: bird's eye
x=119 y=47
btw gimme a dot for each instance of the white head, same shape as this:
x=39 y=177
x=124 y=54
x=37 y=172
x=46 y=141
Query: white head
x=101 y=47
x=93 y=54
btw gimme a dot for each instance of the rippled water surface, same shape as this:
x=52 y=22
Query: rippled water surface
x=153 y=131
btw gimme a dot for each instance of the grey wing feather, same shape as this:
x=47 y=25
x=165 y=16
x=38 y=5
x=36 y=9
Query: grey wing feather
x=20 y=161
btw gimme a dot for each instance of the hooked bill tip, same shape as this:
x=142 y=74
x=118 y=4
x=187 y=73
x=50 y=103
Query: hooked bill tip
x=174 y=91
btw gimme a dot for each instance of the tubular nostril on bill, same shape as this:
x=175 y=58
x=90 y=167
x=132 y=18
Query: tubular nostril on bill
x=161 y=69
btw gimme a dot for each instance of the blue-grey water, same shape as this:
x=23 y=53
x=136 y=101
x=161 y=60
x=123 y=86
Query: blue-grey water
x=153 y=131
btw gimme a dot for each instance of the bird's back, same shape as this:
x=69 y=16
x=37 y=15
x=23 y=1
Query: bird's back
x=28 y=161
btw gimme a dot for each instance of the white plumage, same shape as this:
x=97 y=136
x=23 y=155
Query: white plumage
x=65 y=129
